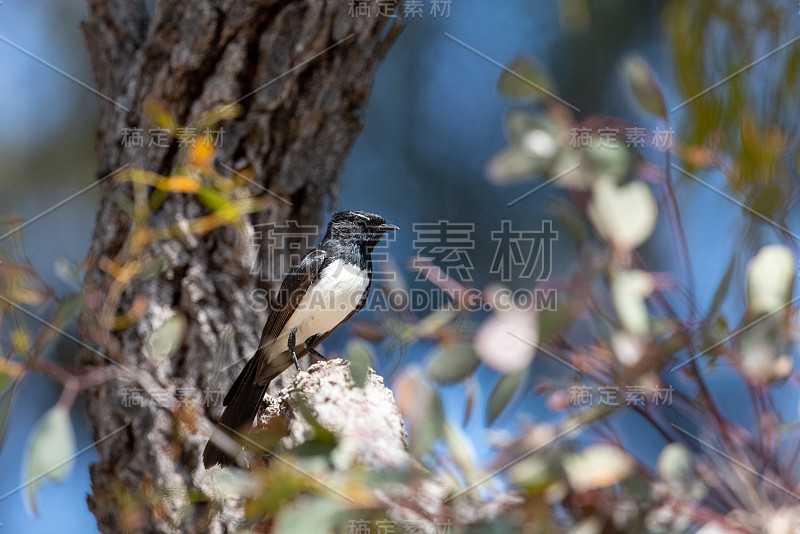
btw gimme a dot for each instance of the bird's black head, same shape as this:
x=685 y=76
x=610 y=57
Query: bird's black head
x=364 y=227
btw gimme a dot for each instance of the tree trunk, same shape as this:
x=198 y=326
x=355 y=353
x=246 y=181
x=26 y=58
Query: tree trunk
x=302 y=71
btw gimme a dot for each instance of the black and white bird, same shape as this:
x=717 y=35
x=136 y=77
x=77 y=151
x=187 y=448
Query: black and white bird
x=321 y=292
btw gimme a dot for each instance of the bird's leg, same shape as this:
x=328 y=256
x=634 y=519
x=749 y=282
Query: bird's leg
x=314 y=352
x=292 y=335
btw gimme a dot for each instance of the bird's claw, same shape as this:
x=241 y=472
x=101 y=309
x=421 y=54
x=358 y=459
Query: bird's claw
x=292 y=340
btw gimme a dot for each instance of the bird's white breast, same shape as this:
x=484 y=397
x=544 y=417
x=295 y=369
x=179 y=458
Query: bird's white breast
x=328 y=301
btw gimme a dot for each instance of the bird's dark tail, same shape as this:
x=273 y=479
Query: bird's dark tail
x=241 y=405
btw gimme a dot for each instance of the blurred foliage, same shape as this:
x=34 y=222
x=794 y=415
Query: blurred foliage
x=616 y=323
x=736 y=63
x=737 y=121
x=29 y=335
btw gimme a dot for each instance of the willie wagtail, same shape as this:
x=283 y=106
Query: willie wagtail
x=324 y=290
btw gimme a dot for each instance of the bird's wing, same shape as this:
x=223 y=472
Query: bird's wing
x=294 y=286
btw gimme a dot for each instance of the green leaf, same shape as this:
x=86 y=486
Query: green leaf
x=462 y=452
x=644 y=87
x=501 y=395
x=168 y=337
x=609 y=159
x=6 y=379
x=51 y=452
x=722 y=289
x=535 y=473
x=315 y=514
x=534 y=134
x=675 y=463
x=553 y=322
x=623 y=215
x=361 y=359
x=520 y=121
x=427 y=429
x=760 y=351
x=598 y=466
x=125 y=203
x=6 y=398
x=159 y=114
x=629 y=289
x=676 y=468
x=525 y=79
x=421 y=406
x=472 y=387
x=590 y=525
x=512 y=165
x=68 y=308
x=211 y=198
x=454 y=363
x=236 y=483
x=770 y=279
x=68 y=272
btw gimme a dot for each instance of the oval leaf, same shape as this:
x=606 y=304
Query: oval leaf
x=629 y=289
x=501 y=395
x=597 y=467
x=770 y=279
x=507 y=340
x=361 y=359
x=168 y=337
x=312 y=515
x=511 y=165
x=472 y=388
x=675 y=464
x=6 y=397
x=454 y=363
x=51 y=452
x=523 y=78
x=644 y=87
x=623 y=215
x=722 y=288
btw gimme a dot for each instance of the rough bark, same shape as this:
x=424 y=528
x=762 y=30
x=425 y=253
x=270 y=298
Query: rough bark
x=302 y=70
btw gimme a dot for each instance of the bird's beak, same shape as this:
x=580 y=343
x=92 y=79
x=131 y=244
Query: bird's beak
x=386 y=227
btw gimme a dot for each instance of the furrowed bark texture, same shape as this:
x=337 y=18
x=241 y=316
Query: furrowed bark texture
x=302 y=70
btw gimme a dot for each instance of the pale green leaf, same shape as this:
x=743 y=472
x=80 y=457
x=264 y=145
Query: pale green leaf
x=599 y=466
x=506 y=341
x=454 y=363
x=722 y=288
x=525 y=79
x=770 y=279
x=623 y=215
x=6 y=398
x=50 y=454
x=501 y=395
x=361 y=359
x=166 y=339
x=628 y=291
x=312 y=515
x=644 y=87
x=511 y=165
